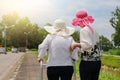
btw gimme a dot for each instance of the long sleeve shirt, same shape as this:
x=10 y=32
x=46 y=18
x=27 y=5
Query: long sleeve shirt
x=88 y=39
x=89 y=45
x=59 y=53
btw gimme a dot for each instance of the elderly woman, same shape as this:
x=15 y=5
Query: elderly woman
x=60 y=59
x=89 y=43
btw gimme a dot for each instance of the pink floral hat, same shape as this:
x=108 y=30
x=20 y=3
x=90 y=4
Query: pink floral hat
x=82 y=19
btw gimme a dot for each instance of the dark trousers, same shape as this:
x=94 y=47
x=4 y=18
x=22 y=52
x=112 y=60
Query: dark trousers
x=60 y=72
x=89 y=70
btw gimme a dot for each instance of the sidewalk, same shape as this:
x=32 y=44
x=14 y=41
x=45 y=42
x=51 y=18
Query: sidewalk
x=8 y=63
x=30 y=69
x=15 y=67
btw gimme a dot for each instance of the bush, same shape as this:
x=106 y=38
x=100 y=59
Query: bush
x=104 y=75
x=113 y=52
x=33 y=49
x=111 y=61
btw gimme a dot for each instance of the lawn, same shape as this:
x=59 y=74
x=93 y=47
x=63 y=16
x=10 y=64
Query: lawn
x=105 y=74
x=108 y=60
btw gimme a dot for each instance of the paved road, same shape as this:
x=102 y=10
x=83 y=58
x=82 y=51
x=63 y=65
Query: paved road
x=8 y=63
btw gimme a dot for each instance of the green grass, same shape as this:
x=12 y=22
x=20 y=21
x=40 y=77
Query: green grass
x=105 y=75
x=115 y=51
x=77 y=66
x=35 y=53
x=111 y=61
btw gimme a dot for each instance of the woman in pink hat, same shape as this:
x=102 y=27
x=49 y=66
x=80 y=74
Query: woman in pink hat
x=89 y=45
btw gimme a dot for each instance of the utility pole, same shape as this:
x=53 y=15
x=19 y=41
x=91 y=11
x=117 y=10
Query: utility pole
x=26 y=33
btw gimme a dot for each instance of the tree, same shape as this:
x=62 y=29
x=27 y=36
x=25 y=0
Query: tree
x=48 y=24
x=115 y=22
x=24 y=31
x=105 y=44
x=76 y=35
x=9 y=19
x=1 y=29
x=24 y=34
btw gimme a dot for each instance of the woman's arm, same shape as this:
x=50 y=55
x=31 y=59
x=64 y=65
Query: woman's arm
x=74 y=45
x=42 y=48
x=86 y=39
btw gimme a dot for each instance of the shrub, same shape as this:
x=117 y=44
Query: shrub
x=104 y=75
x=114 y=51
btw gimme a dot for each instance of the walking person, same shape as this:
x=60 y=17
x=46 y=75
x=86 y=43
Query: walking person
x=90 y=64
x=58 y=42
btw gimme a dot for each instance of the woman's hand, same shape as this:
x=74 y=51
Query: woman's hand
x=74 y=45
x=39 y=59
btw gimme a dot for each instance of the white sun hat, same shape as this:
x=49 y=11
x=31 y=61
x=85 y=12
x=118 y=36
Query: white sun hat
x=60 y=28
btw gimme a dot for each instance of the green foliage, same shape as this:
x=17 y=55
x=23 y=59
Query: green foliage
x=43 y=34
x=35 y=53
x=16 y=34
x=105 y=44
x=115 y=51
x=48 y=24
x=34 y=49
x=77 y=67
x=76 y=36
x=23 y=33
x=104 y=75
x=111 y=61
x=115 y=22
x=8 y=49
x=9 y=19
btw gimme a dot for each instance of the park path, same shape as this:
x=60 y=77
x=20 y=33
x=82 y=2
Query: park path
x=30 y=69
x=20 y=66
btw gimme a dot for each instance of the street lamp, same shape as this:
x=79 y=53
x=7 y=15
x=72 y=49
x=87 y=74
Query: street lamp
x=26 y=33
x=4 y=34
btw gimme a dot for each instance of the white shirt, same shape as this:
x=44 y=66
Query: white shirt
x=88 y=39
x=59 y=53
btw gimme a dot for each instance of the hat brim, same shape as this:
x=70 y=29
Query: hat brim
x=69 y=31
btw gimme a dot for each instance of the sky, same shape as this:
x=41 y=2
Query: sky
x=47 y=11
